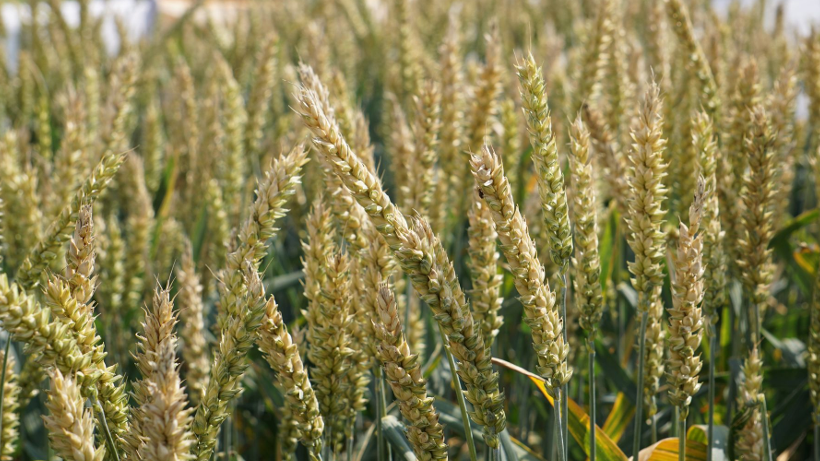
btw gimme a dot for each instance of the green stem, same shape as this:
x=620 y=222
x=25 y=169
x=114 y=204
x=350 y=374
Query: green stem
x=592 y=407
x=816 y=441
x=676 y=427
x=710 y=431
x=558 y=418
x=682 y=440
x=565 y=387
x=380 y=410
x=3 y=381
x=383 y=403
x=462 y=404
x=109 y=440
x=636 y=442
x=767 y=444
x=756 y=327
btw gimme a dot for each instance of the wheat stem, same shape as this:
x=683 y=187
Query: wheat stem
x=636 y=443
x=462 y=404
x=593 y=411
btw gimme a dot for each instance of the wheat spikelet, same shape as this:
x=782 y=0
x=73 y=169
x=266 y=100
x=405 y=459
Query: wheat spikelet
x=485 y=104
x=596 y=56
x=70 y=426
x=811 y=77
x=329 y=347
x=746 y=95
x=79 y=271
x=511 y=138
x=645 y=218
x=74 y=310
x=138 y=229
x=11 y=403
x=452 y=131
x=153 y=143
x=301 y=404
x=587 y=284
x=486 y=292
x=33 y=267
x=758 y=196
x=646 y=214
x=273 y=192
x=233 y=175
x=111 y=255
x=714 y=296
x=685 y=319
x=545 y=157
x=749 y=443
x=540 y=311
x=697 y=63
x=195 y=353
x=161 y=422
x=611 y=158
x=358 y=375
x=403 y=373
x=260 y=96
x=425 y=130
x=229 y=364
x=781 y=106
x=71 y=154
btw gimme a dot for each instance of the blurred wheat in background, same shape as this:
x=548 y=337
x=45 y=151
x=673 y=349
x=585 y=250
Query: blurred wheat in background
x=403 y=230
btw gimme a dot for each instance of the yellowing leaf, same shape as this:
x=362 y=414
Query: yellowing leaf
x=619 y=417
x=578 y=422
x=667 y=450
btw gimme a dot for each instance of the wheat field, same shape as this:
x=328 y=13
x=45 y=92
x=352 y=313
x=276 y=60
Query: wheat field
x=401 y=230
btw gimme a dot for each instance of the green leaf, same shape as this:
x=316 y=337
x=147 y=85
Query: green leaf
x=507 y=446
x=797 y=223
x=795 y=421
x=394 y=433
x=613 y=372
x=281 y=282
x=782 y=246
x=606 y=247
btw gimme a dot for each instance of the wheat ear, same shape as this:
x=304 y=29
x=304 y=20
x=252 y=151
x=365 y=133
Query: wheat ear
x=421 y=257
x=403 y=373
x=69 y=424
